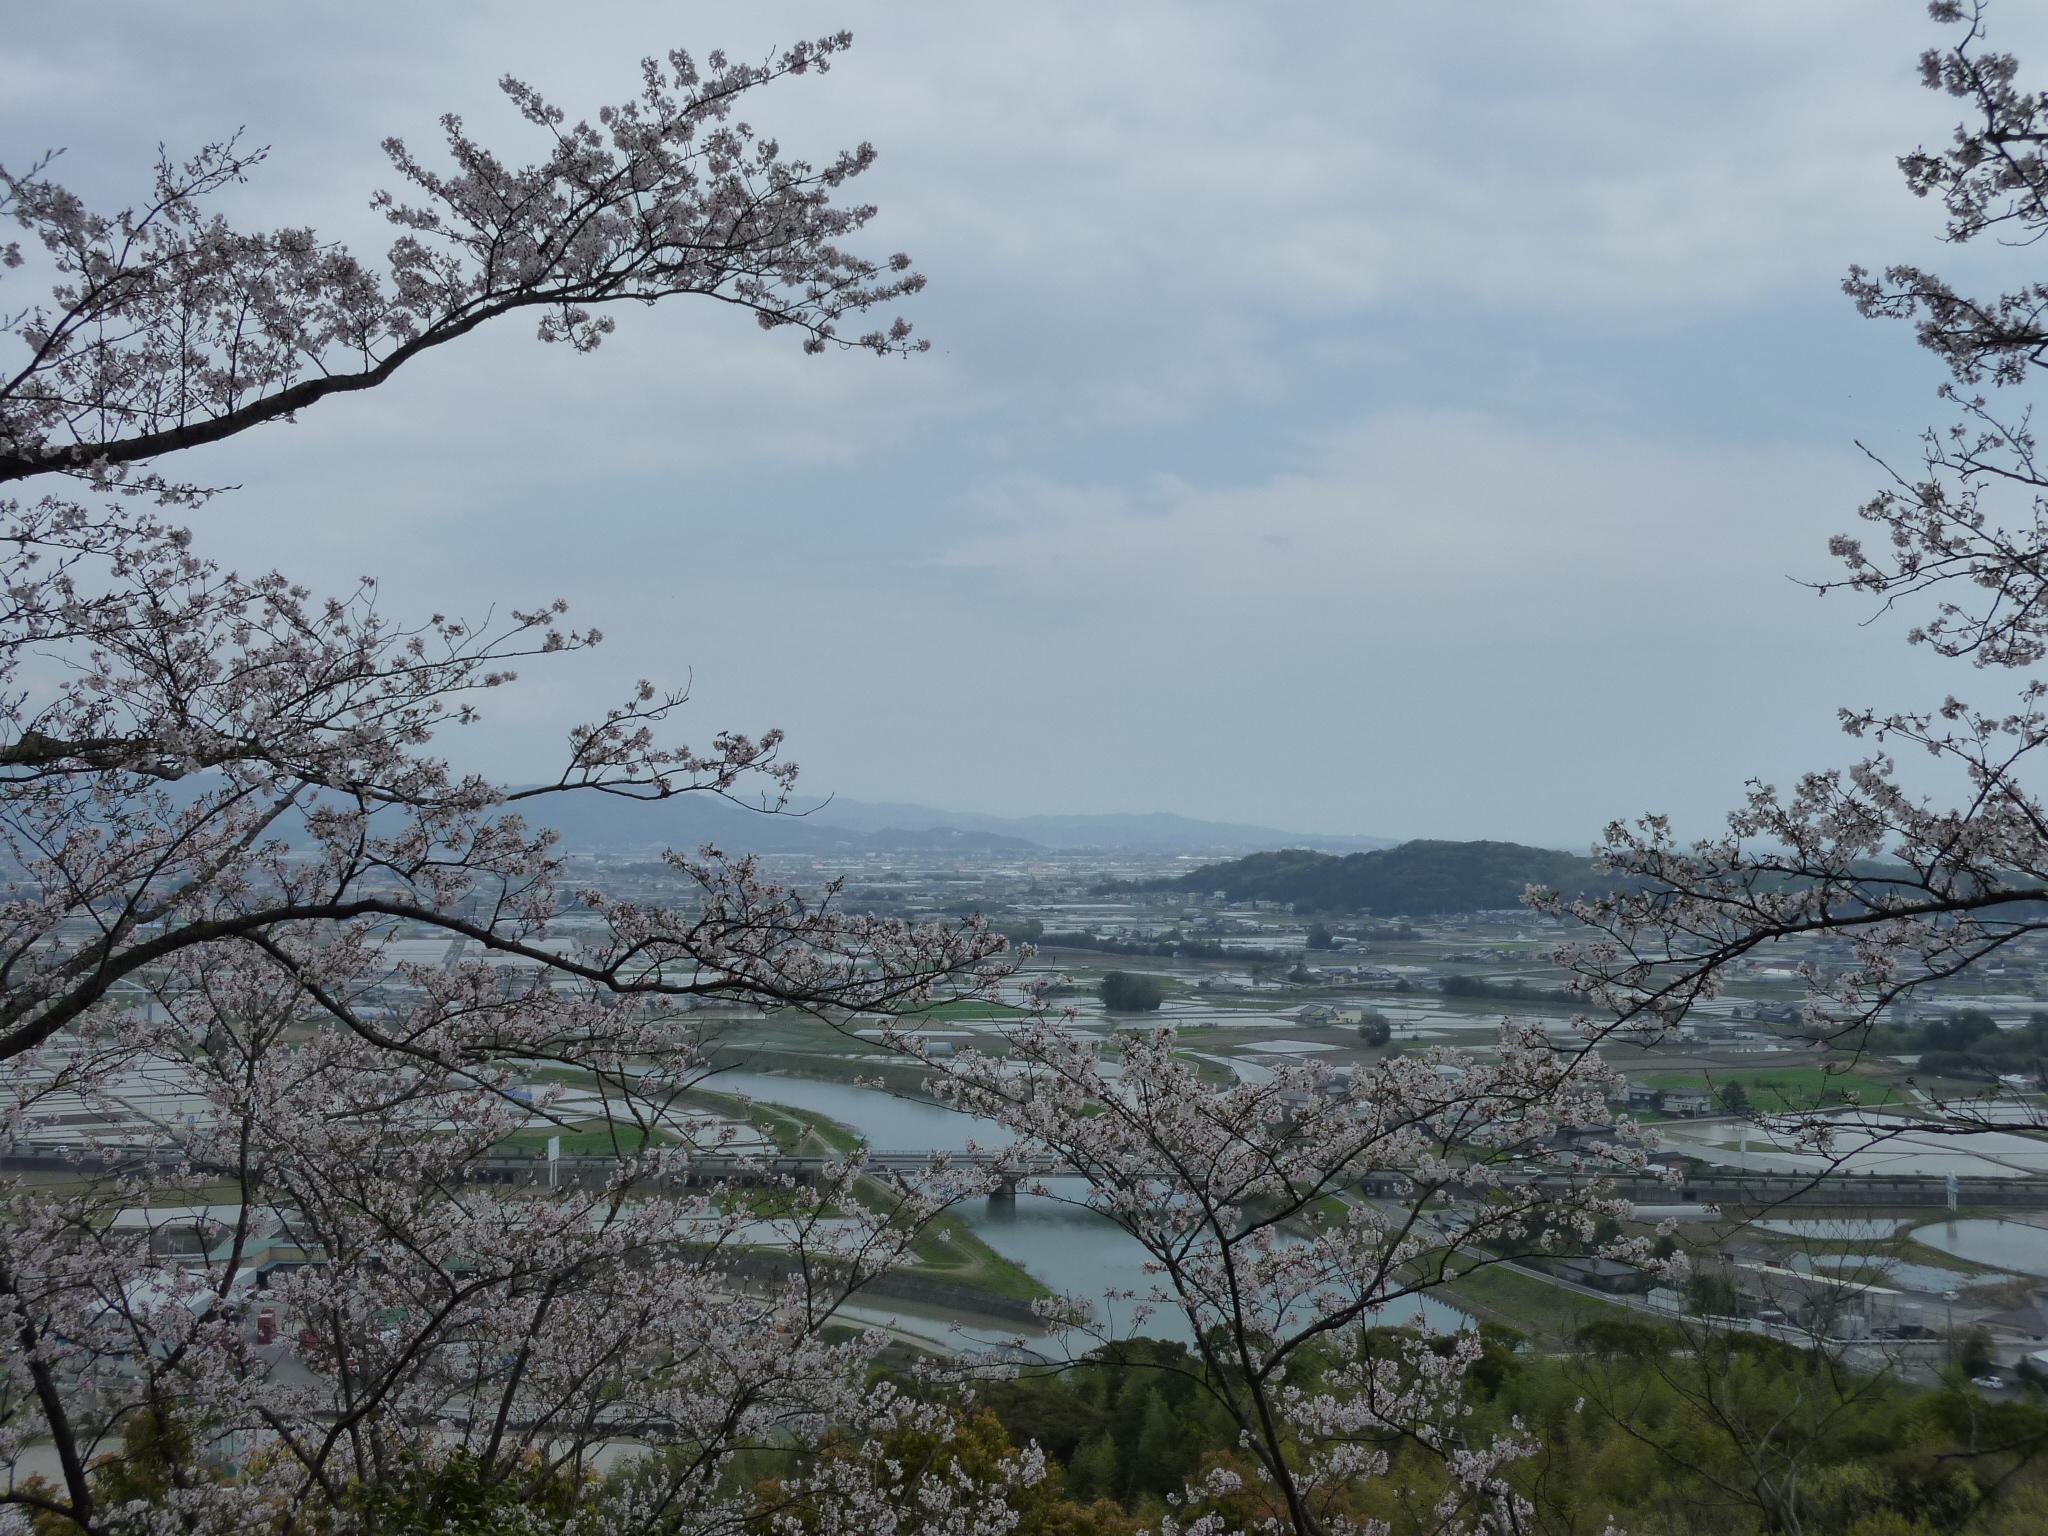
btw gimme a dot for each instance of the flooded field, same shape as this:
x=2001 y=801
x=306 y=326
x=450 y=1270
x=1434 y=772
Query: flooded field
x=1833 y=1229
x=1898 y=1148
x=2015 y=1245
x=1899 y=1274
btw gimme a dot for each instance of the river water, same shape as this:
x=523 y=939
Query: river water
x=1071 y=1249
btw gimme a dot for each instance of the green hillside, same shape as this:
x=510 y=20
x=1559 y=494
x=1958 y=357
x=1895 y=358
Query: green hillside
x=1413 y=880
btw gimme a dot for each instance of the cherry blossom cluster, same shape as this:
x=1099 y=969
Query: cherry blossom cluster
x=287 y=1262
x=1888 y=888
x=1285 y=1220
x=290 y=1260
x=168 y=328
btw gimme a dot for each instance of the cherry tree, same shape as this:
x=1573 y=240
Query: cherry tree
x=1901 y=890
x=226 y=830
x=1293 y=1228
x=170 y=328
x=220 y=809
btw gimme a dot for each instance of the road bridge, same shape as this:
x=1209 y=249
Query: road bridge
x=1738 y=1189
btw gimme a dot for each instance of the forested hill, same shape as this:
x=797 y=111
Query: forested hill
x=1413 y=880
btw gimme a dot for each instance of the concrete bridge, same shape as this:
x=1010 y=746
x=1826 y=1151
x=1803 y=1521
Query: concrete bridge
x=584 y=1168
x=1730 y=1188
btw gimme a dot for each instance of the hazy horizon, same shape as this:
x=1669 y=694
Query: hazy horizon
x=1139 y=811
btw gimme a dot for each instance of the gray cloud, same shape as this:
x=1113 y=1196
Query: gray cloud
x=1393 y=419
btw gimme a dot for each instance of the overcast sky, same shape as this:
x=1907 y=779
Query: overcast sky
x=1350 y=417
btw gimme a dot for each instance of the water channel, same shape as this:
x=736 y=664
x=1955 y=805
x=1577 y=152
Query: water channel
x=1066 y=1246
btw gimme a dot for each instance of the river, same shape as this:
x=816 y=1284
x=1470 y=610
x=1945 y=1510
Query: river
x=1061 y=1243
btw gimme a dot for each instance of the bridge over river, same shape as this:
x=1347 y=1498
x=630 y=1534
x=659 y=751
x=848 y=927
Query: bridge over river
x=1732 y=1188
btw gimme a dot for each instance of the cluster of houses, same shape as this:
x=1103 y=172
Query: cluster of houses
x=1329 y=1013
x=1377 y=977
x=1636 y=1096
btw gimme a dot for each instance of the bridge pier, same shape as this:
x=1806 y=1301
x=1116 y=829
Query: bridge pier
x=1005 y=1192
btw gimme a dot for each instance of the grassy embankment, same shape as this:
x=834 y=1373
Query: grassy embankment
x=1548 y=1315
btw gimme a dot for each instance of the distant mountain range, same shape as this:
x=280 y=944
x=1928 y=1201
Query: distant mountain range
x=1415 y=879
x=608 y=824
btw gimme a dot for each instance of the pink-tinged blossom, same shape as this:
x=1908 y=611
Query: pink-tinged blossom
x=168 y=327
x=1262 y=1244
x=220 y=804
x=1901 y=890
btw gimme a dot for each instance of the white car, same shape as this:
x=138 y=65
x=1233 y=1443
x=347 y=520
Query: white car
x=1988 y=1383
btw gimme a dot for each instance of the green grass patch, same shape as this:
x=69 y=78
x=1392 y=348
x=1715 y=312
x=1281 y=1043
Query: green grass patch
x=1780 y=1088
x=587 y=1141
x=948 y=1250
x=968 y=1008
x=792 y=1131
x=1547 y=1313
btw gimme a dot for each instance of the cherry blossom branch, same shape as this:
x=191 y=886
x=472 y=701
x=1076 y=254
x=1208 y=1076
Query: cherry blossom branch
x=170 y=330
